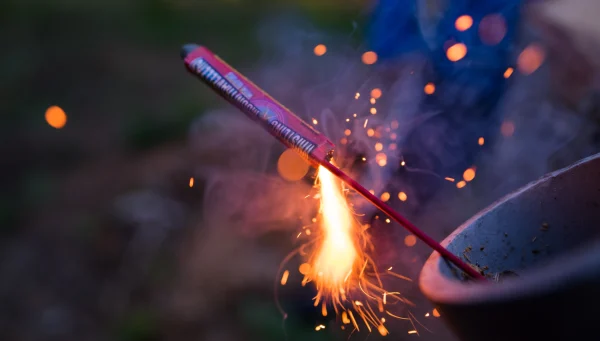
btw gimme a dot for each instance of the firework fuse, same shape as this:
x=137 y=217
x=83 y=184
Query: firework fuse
x=290 y=130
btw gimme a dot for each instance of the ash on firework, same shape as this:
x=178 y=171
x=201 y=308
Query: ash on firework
x=338 y=265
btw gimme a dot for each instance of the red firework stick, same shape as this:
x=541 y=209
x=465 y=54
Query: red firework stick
x=291 y=131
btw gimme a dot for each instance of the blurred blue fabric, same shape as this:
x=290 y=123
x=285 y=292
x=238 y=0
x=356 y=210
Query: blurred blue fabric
x=468 y=92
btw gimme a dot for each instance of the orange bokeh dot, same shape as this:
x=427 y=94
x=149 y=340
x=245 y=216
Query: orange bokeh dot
x=481 y=141
x=385 y=196
x=56 y=117
x=508 y=72
x=410 y=240
x=507 y=128
x=369 y=57
x=304 y=268
x=429 y=88
x=291 y=166
x=530 y=59
x=469 y=174
x=456 y=52
x=376 y=93
x=320 y=49
x=402 y=196
x=436 y=313
x=463 y=23
x=461 y=184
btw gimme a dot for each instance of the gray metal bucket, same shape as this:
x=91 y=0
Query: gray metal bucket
x=548 y=234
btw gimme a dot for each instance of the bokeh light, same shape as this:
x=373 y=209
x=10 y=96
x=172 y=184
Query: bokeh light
x=369 y=57
x=320 y=50
x=481 y=141
x=381 y=159
x=469 y=174
x=507 y=128
x=291 y=166
x=456 y=52
x=402 y=196
x=508 y=72
x=461 y=184
x=385 y=196
x=530 y=59
x=56 y=117
x=378 y=146
x=410 y=240
x=429 y=88
x=376 y=93
x=492 y=29
x=463 y=23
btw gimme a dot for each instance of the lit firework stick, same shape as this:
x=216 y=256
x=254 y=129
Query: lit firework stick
x=291 y=131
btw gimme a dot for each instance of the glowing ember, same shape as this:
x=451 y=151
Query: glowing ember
x=369 y=57
x=365 y=125
x=429 y=88
x=469 y=174
x=378 y=146
x=357 y=95
x=507 y=129
x=373 y=111
x=481 y=141
x=531 y=59
x=461 y=184
x=314 y=121
x=347 y=132
x=402 y=196
x=508 y=72
x=449 y=179
x=370 y=132
x=285 y=276
x=436 y=313
x=376 y=93
x=402 y=163
x=456 y=52
x=463 y=23
x=56 y=117
x=373 y=101
x=320 y=50
x=191 y=182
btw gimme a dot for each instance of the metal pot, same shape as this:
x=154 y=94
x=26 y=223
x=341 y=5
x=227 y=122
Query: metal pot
x=540 y=247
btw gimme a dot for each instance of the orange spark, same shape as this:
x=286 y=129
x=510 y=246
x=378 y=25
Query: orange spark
x=285 y=276
x=314 y=120
x=456 y=52
x=347 y=132
x=56 y=117
x=369 y=57
x=463 y=23
x=378 y=146
x=449 y=179
x=385 y=196
x=320 y=50
x=370 y=132
x=357 y=95
x=373 y=101
x=436 y=313
x=481 y=141
x=461 y=184
x=508 y=72
x=191 y=182
x=373 y=111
